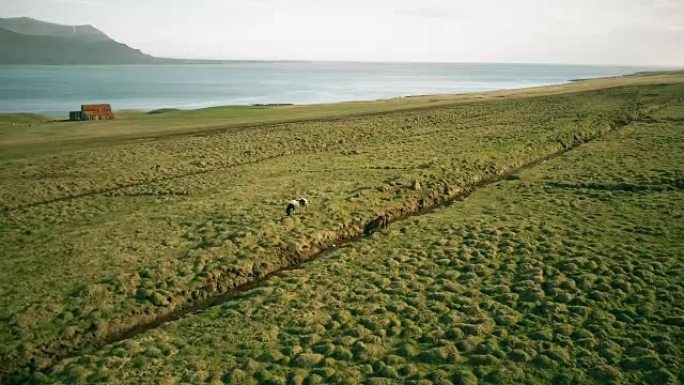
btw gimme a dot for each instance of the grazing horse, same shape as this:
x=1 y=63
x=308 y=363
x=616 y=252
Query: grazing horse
x=378 y=223
x=295 y=204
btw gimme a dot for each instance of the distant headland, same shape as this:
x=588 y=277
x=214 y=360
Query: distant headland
x=25 y=40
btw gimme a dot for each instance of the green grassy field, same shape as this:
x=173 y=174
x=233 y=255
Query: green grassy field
x=570 y=272
x=106 y=232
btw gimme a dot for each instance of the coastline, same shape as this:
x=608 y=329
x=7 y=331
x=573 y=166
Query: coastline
x=456 y=95
x=55 y=90
x=22 y=133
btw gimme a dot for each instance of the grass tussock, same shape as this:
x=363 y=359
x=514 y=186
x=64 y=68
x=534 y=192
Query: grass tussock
x=571 y=294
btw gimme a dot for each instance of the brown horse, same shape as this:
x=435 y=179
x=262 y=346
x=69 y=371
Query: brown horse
x=378 y=223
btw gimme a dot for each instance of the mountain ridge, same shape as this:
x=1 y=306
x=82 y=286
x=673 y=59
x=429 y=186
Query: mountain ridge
x=29 y=26
x=24 y=40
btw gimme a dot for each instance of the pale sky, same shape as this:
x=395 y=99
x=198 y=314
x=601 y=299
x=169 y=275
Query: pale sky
x=636 y=32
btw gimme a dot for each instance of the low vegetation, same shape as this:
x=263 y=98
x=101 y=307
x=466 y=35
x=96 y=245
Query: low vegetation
x=101 y=242
x=568 y=273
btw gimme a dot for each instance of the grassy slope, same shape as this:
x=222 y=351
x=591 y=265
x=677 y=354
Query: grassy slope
x=136 y=224
x=569 y=273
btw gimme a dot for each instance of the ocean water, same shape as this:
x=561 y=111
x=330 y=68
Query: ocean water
x=55 y=90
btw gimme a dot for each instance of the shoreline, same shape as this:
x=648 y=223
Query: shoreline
x=201 y=106
x=198 y=106
x=26 y=133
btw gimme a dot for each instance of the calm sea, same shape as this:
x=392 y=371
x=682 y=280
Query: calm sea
x=54 y=90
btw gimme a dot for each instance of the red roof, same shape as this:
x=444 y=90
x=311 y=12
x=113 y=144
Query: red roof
x=96 y=107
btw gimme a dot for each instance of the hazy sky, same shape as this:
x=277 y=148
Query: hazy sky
x=640 y=32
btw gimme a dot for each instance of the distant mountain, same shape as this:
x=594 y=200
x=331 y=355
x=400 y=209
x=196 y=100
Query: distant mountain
x=28 y=41
x=29 y=26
